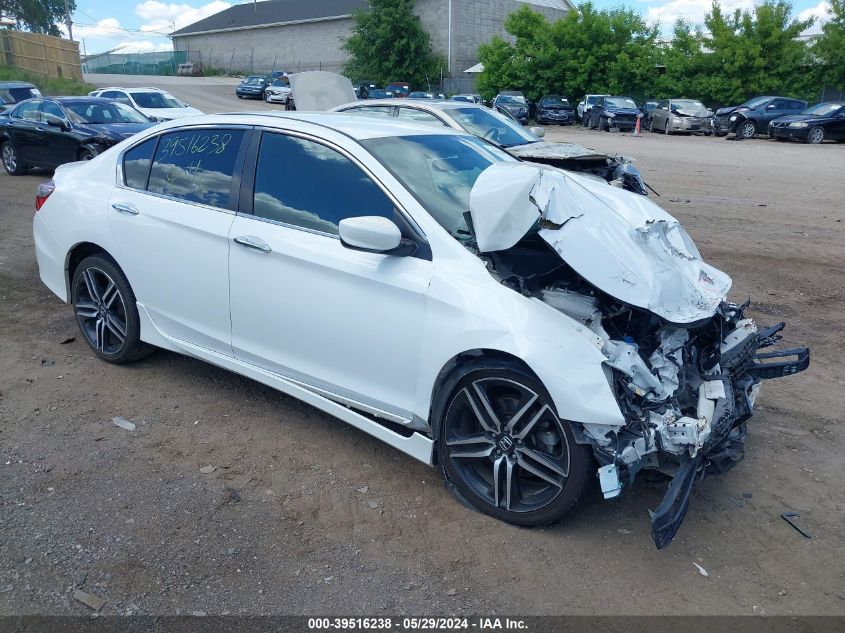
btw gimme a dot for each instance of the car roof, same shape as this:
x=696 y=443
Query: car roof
x=16 y=84
x=356 y=127
x=80 y=99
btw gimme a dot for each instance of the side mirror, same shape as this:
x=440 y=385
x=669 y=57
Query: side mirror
x=55 y=121
x=771 y=106
x=537 y=131
x=374 y=234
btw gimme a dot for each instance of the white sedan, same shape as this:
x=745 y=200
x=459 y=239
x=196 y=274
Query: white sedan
x=154 y=103
x=527 y=329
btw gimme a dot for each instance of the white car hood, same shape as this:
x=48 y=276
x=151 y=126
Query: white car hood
x=620 y=242
x=171 y=113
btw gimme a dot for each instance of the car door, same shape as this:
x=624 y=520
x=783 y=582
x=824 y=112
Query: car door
x=59 y=144
x=660 y=115
x=775 y=109
x=303 y=305
x=171 y=219
x=835 y=129
x=22 y=129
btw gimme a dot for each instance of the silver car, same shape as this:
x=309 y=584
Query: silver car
x=506 y=133
x=681 y=115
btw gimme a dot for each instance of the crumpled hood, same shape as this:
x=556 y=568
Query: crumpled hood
x=117 y=131
x=688 y=112
x=551 y=149
x=623 y=111
x=728 y=109
x=620 y=242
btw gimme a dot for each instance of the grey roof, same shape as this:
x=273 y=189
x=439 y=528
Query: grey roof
x=257 y=14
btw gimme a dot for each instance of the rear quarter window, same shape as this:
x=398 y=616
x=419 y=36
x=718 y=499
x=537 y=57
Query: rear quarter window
x=136 y=164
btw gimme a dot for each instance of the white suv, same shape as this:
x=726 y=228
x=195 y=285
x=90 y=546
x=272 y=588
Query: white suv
x=154 y=103
x=530 y=330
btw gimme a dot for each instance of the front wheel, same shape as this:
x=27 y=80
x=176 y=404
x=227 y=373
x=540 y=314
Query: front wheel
x=105 y=310
x=747 y=130
x=11 y=160
x=602 y=126
x=816 y=135
x=504 y=451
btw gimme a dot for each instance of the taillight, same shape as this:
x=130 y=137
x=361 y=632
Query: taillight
x=43 y=192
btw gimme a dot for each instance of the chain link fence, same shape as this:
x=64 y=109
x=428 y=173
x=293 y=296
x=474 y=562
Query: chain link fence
x=161 y=63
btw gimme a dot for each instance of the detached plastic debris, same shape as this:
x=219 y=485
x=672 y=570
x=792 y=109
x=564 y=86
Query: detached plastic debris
x=123 y=423
x=89 y=599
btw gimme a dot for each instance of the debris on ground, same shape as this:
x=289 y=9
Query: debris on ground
x=747 y=495
x=7 y=588
x=701 y=569
x=89 y=599
x=232 y=494
x=452 y=592
x=363 y=489
x=207 y=470
x=788 y=516
x=46 y=363
x=373 y=504
x=624 y=531
x=123 y=423
x=70 y=339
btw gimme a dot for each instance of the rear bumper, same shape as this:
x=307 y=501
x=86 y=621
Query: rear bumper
x=50 y=257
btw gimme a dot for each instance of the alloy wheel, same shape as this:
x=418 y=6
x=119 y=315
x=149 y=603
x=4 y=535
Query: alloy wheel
x=748 y=129
x=101 y=311
x=507 y=444
x=816 y=135
x=10 y=158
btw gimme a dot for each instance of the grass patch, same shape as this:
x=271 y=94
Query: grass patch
x=49 y=86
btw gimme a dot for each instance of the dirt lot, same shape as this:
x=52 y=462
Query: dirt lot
x=305 y=515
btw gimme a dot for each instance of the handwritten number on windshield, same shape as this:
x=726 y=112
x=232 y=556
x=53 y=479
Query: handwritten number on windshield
x=196 y=144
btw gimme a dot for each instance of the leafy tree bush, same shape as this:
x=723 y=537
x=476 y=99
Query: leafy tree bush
x=38 y=16
x=829 y=48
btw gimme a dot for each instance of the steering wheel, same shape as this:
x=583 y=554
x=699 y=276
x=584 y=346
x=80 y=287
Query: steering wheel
x=491 y=135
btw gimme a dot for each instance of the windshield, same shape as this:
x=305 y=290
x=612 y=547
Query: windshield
x=511 y=99
x=688 y=104
x=97 y=113
x=439 y=170
x=281 y=83
x=554 y=101
x=823 y=109
x=156 y=100
x=593 y=98
x=253 y=81
x=755 y=102
x=491 y=126
x=620 y=102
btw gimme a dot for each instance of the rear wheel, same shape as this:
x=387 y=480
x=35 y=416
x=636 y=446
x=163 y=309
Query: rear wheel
x=105 y=310
x=504 y=451
x=666 y=129
x=11 y=160
x=816 y=135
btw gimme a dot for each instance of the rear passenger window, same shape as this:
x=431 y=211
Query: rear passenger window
x=196 y=165
x=136 y=164
x=312 y=186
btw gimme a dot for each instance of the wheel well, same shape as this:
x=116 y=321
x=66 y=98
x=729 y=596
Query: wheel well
x=76 y=255
x=445 y=380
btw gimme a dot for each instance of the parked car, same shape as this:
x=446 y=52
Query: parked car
x=647 y=109
x=278 y=74
x=585 y=105
x=514 y=102
x=156 y=104
x=50 y=132
x=502 y=130
x=253 y=87
x=825 y=121
x=12 y=92
x=618 y=112
x=554 y=109
x=278 y=91
x=758 y=112
x=426 y=95
x=537 y=331
x=380 y=94
x=363 y=88
x=466 y=98
x=681 y=115
x=400 y=89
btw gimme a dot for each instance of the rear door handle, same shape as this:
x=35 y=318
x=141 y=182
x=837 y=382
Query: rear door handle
x=125 y=208
x=253 y=243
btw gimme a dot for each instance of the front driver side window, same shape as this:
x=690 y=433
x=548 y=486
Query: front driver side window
x=292 y=185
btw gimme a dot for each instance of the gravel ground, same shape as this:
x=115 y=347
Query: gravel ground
x=302 y=514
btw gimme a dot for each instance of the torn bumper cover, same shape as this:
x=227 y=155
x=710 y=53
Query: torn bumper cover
x=685 y=365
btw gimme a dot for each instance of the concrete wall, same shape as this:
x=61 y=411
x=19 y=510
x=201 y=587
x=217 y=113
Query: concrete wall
x=293 y=48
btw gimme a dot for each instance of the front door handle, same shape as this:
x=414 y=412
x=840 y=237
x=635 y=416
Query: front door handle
x=125 y=208
x=253 y=243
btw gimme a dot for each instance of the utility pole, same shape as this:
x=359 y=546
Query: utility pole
x=68 y=21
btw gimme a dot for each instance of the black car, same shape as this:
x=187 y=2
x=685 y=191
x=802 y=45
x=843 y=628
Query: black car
x=253 y=87
x=618 y=112
x=757 y=113
x=363 y=88
x=554 y=109
x=50 y=132
x=12 y=92
x=825 y=121
x=514 y=103
x=647 y=109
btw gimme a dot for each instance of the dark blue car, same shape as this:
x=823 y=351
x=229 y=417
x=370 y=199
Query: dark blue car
x=253 y=87
x=755 y=114
x=618 y=112
x=50 y=132
x=825 y=121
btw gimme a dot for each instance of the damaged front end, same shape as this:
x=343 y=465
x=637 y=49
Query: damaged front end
x=684 y=364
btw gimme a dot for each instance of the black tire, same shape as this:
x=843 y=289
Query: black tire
x=521 y=480
x=585 y=120
x=815 y=135
x=666 y=129
x=105 y=310
x=10 y=159
x=602 y=125
x=87 y=152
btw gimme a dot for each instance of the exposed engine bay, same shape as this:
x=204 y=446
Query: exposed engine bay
x=682 y=361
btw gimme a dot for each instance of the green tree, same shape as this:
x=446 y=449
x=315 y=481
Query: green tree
x=388 y=43
x=829 y=48
x=38 y=16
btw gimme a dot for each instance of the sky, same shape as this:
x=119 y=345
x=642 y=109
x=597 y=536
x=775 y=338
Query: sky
x=143 y=26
